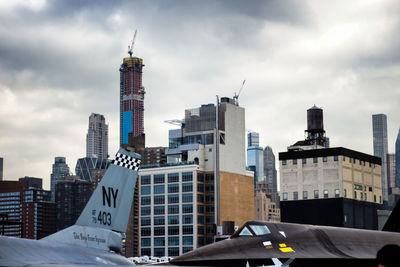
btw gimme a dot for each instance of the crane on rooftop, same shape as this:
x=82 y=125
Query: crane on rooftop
x=236 y=96
x=130 y=48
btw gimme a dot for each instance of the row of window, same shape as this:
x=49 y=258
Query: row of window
x=205 y=209
x=172 y=209
x=205 y=177
x=325 y=159
x=160 y=220
x=208 y=188
x=160 y=178
x=172 y=230
x=160 y=189
x=172 y=241
x=160 y=252
x=316 y=194
x=160 y=199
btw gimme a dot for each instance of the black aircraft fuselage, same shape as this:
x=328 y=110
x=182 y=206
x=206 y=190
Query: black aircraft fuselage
x=260 y=242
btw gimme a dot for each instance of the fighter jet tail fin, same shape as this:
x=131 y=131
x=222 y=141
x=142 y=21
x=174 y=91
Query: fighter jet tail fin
x=393 y=222
x=108 y=209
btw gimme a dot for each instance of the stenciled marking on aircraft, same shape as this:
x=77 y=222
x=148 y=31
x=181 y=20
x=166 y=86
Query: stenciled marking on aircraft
x=88 y=238
x=267 y=244
x=282 y=233
x=284 y=248
x=107 y=196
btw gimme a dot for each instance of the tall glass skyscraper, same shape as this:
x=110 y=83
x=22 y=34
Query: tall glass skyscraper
x=255 y=159
x=60 y=171
x=380 y=140
x=398 y=160
x=97 y=137
x=269 y=168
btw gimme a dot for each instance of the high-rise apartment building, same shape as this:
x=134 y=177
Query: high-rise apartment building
x=1 y=169
x=97 y=137
x=72 y=194
x=391 y=171
x=28 y=208
x=255 y=158
x=380 y=141
x=204 y=182
x=269 y=168
x=397 y=155
x=131 y=98
x=60 y=171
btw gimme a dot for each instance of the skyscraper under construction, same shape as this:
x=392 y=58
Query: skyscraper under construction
x=131 y=97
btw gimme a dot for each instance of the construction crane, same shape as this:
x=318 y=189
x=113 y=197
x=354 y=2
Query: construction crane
x=130 y=48
x=236 y=96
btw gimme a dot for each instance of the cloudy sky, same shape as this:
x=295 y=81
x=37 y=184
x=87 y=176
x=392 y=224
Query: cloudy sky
x=59 y=62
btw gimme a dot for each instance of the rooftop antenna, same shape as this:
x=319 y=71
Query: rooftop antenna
x=236 y=96
x=130 y=48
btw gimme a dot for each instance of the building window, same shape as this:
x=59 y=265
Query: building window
x=210 y=219
x=159 y=189
x=159 y=231
x=326 y=193
x=361 y=195
x=173 y=188
x=344 y=192
x=145 y=190
x=159 y=200
x=380 y=199
x=200 y=209
x=173 y=177
x=159 y=220
x=187 y=187
x=284 y=162
x=375 y=198
x=295 y=162
x=187 y=219
x=200 y=188
x=210 y=209
x=159 y=241
x=145 y=211
x=145 y=201
x=173 y=219
x=315 y=160
x=173 y=209
x=365 y=196
x=210 y=198
x=145 y=180
x=337 y=193
x=187 y=229
x=370 y=189
x=335 y=158
x=173 y=199
x=200 y=177
x=159 y=252
x=187 y=240
x=355 y=194
x=187 y=208
x=295 y=196
x=173 y=241
x=159 y=210
x=324 y=159
x=173 y=230
x=187 y=198
x=304 y=161
x=145 y=251
x=145 y=231
x=159 y=178
x=344 y=158
x=316 y=194
x=305 y=194
x=354 y=161
x=145 y=242
x=200 y=219
x=200 y=198
x=209 y=188
x=187 y=176
x=284 y=196
x=173 y=251
x=145 y=221
x=200 y=230
x=209 y=177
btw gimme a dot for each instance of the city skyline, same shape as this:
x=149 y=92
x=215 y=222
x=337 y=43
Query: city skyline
x=59 y=63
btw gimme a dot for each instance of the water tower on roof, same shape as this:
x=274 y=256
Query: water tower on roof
x=315 y=127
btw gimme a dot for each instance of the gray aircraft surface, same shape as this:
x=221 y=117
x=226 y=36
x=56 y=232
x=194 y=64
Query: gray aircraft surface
x=96 y=237
x=285 y=244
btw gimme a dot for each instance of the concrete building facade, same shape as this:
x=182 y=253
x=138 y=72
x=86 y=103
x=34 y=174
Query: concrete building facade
x=265 y=208
x=330 y=173
x=380 y=142
x=97 y=137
